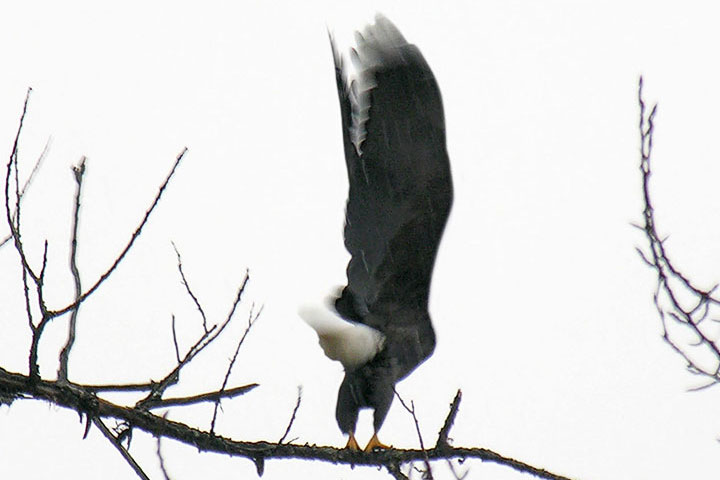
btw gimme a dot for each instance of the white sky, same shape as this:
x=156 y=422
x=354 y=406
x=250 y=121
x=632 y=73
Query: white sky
x=541 y=305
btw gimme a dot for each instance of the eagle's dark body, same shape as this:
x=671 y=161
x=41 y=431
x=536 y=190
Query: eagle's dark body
x=398 y=204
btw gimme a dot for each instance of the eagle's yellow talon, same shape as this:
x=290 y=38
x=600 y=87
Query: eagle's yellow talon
x=375 y=443
x=352 y=443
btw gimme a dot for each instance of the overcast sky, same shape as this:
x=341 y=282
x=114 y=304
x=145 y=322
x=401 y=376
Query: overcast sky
x=543 y=309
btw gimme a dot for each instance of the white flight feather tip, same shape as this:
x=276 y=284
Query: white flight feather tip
x=352 y=344
x=380 y=44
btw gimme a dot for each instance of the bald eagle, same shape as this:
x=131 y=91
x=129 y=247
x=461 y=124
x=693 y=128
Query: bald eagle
x=398 y=204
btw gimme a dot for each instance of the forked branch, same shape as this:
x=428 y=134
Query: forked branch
x=680 y=303
x=88 y=400
x=87 y=403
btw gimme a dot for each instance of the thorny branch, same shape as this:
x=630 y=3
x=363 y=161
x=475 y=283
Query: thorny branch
x=87 y=400
x=696 y=305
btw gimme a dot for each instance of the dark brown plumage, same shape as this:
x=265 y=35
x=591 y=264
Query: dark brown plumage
x=398 y=204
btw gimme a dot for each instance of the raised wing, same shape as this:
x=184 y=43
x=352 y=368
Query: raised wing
x=399 y=175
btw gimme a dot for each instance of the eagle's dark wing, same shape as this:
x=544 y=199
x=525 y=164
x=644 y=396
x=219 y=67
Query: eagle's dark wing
x=399 y=174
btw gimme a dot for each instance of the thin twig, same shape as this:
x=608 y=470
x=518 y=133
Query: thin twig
x=144 y=387
x=79 y=172
x=161 y=459
x=203 y=397
x=292 y=417
x=442 y=440
x=118 y=445
x=128 y=387
x=43 y=266
x=36 y=167
x=13 y=219
x=458 y=476
x=428 y=470
x=187 y=287
x=17 y=178
x=205 y=340
x=251 y=321
x=28 y=182
x=133 y=237
x=174 y=337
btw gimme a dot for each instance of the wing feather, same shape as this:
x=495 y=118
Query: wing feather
x=400 y=191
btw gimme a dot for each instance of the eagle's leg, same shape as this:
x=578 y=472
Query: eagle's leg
x=375 y=443
x=352 y=443
x=381 y=401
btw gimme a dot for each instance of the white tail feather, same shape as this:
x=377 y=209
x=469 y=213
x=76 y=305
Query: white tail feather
x=352 y=344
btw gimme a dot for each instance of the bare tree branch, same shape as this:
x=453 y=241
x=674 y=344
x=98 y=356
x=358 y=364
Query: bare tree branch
x=205 y=340
x=28 y=182
x=672 y=284
x=292 y=417
x=14 y=222
x=118 y=445
x=411 y=409
x=251 y=322
x=174 y=337
x=442 y=440
x=160 y=456
x=133 y=237
x=458 y=476
x=394 y=470
x=203 y=397
x=87 y=400
x=128 y=387
x=79 y=172
x=187 y=288
x=13 y=219
x=81 y=401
